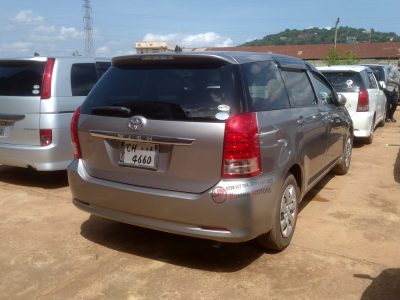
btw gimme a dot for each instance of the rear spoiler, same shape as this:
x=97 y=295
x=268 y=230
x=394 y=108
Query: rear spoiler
x=170 y=58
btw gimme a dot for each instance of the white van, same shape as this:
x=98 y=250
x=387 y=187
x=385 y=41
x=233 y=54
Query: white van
x=37 y=99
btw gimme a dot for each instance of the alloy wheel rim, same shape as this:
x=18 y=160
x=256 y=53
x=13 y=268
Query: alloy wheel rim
x=288 y=210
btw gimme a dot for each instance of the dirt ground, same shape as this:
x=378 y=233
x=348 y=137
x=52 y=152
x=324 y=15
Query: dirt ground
x=346 y=245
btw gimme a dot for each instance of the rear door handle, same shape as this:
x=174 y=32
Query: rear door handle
x=11 y=118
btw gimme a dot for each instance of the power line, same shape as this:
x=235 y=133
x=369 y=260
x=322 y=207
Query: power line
x=88 y=28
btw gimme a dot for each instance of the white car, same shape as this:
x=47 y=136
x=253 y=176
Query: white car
x=366 y=102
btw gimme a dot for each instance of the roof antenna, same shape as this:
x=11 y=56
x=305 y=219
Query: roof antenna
x=36 y=54
x=178 y=48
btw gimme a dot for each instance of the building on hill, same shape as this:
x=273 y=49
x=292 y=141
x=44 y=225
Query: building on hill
x=382 y=53
x=146 y=47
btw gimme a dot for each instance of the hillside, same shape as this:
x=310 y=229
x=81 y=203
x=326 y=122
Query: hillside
x=324 y=36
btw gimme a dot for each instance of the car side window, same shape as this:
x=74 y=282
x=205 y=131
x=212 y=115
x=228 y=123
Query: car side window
x=265 y=86
x=299 y=88
x=372 y=81
x=102 y=67
x=326 y=94
x=83 y=78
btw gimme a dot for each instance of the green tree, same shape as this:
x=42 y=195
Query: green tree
x=333 y=57
x=325 y=36
x=351 y=58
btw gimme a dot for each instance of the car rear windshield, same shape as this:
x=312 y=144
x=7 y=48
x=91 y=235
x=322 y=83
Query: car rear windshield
x=345 y=82
x=184 y=91
x=21 y=78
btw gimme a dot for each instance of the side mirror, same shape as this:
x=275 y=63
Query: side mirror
x=341 y=100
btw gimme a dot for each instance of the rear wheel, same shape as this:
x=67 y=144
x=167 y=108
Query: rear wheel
x=344 y=164
x=285 y=217
x=370 y=138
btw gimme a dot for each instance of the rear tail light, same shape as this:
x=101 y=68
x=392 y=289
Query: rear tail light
x=46 y=137
x=47 y=76
x=363 y=101
x=241 y=156
x=76 y=148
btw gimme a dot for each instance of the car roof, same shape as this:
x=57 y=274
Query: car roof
x=378 y=66
x=64 y=58
x=355 y=68
x=232 y=57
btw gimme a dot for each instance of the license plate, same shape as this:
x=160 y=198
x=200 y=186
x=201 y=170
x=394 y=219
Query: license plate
x=139 y=155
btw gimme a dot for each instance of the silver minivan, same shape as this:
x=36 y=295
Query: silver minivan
x=37 y=99
x=215 y=145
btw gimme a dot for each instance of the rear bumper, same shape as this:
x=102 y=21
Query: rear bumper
x=362 y=123
x=54 y=157
x=232 y=211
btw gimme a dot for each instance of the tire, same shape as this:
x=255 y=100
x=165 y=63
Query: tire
x=344 y=164
x=285 y=219
x=383 y=121
x=370 y=138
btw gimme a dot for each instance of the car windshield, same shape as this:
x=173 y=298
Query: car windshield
x=345 y=81
x=168 y=92
x=21 y=78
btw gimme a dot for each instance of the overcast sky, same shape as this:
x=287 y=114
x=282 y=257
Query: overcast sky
x=52 y=27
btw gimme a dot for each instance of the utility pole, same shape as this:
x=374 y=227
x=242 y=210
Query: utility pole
x=87 y=21
x=336 y=28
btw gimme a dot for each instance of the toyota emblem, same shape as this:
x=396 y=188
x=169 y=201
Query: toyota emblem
x=136 y=123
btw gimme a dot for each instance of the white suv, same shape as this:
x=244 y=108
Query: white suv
x=366 y=102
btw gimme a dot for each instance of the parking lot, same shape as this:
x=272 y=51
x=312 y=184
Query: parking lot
x=346 y=245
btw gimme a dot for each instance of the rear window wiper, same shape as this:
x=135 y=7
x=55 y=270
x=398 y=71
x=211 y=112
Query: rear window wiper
x=113 y=111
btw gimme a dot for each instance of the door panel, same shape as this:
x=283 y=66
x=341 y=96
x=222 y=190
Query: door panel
x=336 y=132
x=312 y=123
x=336 y=128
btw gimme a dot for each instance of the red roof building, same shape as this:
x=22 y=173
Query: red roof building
x=368 y=52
